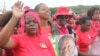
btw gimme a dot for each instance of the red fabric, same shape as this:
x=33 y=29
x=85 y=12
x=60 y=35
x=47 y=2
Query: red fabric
x=9 y=52
x=21 y=29
x=26 y=8
x=3 y=52
x=26 y=45
x=84 y=40
x=63 y=11
x=72 y=25
x=62 y=30
x=76 y=27
x=46 y=31
x=94 y=29
x=34 y=15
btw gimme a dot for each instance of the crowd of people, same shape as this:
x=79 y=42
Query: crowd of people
x=35 y=32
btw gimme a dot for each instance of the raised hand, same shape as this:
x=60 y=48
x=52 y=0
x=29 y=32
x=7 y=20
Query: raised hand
x=17 y=9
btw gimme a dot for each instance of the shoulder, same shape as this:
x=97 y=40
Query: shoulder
x=17 y=38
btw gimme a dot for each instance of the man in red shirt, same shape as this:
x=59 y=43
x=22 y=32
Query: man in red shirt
x=61 y=17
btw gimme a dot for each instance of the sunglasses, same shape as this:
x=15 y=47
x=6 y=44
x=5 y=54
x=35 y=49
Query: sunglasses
x=62 y=17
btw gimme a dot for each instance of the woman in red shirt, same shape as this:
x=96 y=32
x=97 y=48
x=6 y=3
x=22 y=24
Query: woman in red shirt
x=94 y=14
x=84 y=39
x=4 y=20
x=47 y=24
x=30 y=43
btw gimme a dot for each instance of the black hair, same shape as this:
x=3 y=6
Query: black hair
x=29 y=10
x=37 y=6
x=5 y=18
x=91 y=11
x=83 y=19
x=77 y=22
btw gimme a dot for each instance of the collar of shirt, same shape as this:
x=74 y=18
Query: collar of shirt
x=60 y=26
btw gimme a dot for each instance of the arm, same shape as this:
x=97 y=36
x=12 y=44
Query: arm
x=8 y=29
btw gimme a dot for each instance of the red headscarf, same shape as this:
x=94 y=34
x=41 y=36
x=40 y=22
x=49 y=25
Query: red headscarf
x=21 y=29
x=34 y=15
x=26 y=8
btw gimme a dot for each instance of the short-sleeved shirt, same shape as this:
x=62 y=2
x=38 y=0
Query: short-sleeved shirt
x=26 y=45
x=46 y=31
x=84 y=40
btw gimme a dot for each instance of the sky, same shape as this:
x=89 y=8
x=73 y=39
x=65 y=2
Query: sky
x=50 y=3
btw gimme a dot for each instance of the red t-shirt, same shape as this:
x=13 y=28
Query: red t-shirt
x=26 y=45
x=47 y=31
x=84 y=40
x=76 y=27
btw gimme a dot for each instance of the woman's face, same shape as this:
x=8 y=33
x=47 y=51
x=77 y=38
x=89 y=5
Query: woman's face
x=86 y=26
x=68 y=47
x=44 y=12
x=96 y=14
x=31 y=25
